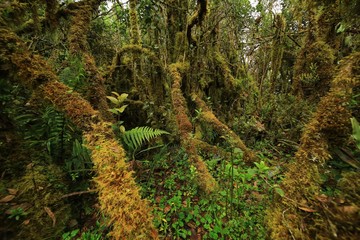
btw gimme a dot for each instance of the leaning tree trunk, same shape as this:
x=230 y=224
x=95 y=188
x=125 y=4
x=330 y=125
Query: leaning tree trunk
x=297 y=215
x=128 y=214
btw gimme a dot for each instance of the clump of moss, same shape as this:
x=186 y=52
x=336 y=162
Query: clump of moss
x=313 y=68
x=129 y=215
x=77 y=109
x=39 y=192
x=119 y=196
x=77 y=39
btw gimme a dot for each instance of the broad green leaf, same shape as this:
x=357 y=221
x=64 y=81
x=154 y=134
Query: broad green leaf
x=122 y=97
x=113 y=110
x=279 y=191
x=122 y=129
x=121 y=109
x=113 y=100
x=116 y=94
x=356 y=131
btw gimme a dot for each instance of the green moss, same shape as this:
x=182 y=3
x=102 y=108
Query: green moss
x=134 y=25
x=209 y=117
x=196 y=18
x=329 y=126
x=42 y=187
x=204 y=179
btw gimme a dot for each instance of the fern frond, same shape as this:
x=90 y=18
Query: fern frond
x=135 y=137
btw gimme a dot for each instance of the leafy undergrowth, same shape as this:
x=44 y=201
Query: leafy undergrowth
x=236 y=211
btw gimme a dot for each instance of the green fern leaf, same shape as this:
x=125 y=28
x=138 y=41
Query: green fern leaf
x=135 y=137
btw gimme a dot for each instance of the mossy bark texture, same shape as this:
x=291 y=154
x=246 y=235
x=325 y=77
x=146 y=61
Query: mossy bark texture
x=209 y=117
x=298 y=215
x=205 y=181
x=82 y=13
x=129 y=215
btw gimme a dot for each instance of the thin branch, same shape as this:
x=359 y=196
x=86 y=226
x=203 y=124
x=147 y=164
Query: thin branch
x=78 y=193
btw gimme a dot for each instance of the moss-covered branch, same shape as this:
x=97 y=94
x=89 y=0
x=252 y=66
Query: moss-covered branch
x=196 y=18
x=129 y=215
x=134 y=23
x=82 y=13
x=136 y=50
x=209 y=117
x=329 y=126
x=206 y=182
x=229 y=80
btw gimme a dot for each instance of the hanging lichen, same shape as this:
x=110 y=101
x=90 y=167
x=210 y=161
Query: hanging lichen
x=314 y=64
x=277 y=48
x=293 y=216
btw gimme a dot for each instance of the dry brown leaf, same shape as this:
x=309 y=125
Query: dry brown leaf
x=322 y=198
x=12 y=191
x=307 y=209
x=349 y=209
x=26 y=222
x=167 y=209
x=7 y=199
x=51 y=215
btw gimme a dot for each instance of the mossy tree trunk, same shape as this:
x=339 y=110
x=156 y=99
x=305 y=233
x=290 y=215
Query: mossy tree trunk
x=129 y=215
x=295 y=215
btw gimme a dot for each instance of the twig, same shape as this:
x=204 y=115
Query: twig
x=78 y=193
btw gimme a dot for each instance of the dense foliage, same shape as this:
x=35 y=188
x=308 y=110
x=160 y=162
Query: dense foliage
x=179 y=119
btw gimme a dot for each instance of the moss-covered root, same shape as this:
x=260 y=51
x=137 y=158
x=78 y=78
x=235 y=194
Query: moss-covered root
x=209 y=117
x=293 y=216
x=129 y=215
x=206 y=182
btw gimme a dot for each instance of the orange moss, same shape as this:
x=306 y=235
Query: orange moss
x=119 y=196
x=330 y=125
x=51 y=13
x=32 y=69
x=130 y=216
x=77 y=109
x=204 y=179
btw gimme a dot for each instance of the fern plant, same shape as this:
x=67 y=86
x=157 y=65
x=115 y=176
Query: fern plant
x=136 y=137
